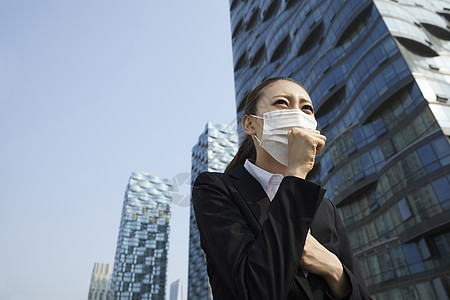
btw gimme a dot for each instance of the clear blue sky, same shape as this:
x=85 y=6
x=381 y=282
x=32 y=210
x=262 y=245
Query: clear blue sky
x=91 y=91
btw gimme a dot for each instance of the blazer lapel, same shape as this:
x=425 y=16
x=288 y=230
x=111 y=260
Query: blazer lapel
x=252 y=192
x=258 y=202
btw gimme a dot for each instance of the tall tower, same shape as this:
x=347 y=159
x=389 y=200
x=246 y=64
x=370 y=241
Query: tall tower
x=141 y=257
x=215 y=148
x=378 y=73
x=99 y=281
x=176 y=292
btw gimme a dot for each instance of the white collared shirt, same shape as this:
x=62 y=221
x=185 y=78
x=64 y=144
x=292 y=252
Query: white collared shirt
x=269 y=182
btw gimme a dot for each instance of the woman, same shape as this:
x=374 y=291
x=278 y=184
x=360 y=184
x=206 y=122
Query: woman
x=266 y=231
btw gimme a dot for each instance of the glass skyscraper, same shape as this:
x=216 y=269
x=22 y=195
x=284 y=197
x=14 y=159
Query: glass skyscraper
x=141 y=257
x=215 y=148
x=378 y=73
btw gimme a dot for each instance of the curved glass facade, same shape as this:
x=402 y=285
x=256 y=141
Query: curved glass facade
x=140 y=262
x=378 y=73
x=215 y=148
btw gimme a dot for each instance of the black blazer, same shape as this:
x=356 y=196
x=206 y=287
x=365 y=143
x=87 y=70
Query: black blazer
x=253 y=246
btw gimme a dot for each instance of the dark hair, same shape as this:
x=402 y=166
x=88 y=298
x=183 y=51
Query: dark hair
x=247 y=147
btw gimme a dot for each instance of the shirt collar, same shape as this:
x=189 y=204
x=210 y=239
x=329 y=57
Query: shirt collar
x=264 y=177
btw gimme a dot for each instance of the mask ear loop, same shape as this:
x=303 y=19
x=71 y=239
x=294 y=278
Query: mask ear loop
x=258 y=117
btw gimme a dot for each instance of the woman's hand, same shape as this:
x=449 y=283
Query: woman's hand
x=303 y=145
x=318 y=260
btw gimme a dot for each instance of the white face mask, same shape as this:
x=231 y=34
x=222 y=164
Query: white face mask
x=276 y=126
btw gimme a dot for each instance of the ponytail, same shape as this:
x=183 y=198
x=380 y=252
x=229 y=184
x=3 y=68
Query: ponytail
x=246 y=150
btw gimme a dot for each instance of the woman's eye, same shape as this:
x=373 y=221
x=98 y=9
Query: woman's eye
x=308 y=107
x=281 y=101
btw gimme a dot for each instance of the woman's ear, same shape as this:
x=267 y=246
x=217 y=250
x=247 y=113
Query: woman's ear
x=248 y=123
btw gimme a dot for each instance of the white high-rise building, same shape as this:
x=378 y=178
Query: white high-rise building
x=99 y=281
x=176 y=292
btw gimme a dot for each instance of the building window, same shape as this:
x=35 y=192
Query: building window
x=259 y=56
x=441 y=188
x=282 y=48
x=442 y=244
x=403 y=207
x=437 y=31
x=271 y=10
x=237 y=29
x=330 y=107
x=416 y=47
x=241 y=62
x=234 y=4
x=356 y=27
x=253 y=20
x=313 y=39
x=413 y=258
x=290 y=3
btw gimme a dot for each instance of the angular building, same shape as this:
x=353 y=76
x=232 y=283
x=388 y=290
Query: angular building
x=141 y=257
x=176 y=292
x=378 y=73
x=98 y=288
x=215 y=148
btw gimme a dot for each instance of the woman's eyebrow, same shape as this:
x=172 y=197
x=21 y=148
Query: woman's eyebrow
x=291 y=96
x=285 y=96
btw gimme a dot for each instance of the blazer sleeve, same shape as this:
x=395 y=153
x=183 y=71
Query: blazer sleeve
x=358 y=287
x=261 y=267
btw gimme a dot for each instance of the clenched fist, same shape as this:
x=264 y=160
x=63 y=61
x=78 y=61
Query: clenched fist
x=303 y=146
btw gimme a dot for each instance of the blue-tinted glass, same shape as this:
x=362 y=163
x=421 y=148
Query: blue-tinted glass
x=358 y=177
x=404 y=209
x=442 y=188
x=351 y=149
x=441 y=147
x=368 y=132
x=371 y=90
x=426 y=154
x=363 y=98
x=413 y=258
x=400 y=66
x=379 y=54
x=433 y=166
x=424 y=249
x=374 y=206
x=371 y=62
x=380 y=84
x=323 y=122
x=390 y=46
x=358 y=137
x=366 y=160
x=369 y=170
x=379 y=128
x=377 y=154
x=416 y=94
x=389 y=75
x=388 y=275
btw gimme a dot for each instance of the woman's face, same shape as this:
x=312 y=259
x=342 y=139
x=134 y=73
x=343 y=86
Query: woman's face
x=282 y=94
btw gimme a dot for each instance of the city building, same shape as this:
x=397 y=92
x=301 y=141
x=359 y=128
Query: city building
x=378 y=73
x=176 y=292
x=215 y=148
x=141 y=257
x=98 y=288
